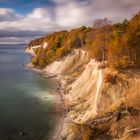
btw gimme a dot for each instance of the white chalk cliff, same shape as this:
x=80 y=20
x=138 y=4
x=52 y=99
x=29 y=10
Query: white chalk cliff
x=87 y=94
x=31 y=49
x=68 y=63
x=87 y=86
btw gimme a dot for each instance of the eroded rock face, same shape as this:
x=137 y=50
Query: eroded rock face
x=117 y=109
x=68 y=63
x=89 y=95
x=85 y=92
x=94 y=93
x=31 y=49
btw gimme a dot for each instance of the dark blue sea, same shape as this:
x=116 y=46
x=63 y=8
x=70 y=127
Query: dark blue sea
x=26 y=98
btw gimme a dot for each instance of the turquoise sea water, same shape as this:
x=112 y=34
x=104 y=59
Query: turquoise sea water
x=23 y=107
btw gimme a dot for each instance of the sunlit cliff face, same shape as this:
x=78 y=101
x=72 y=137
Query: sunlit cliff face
x=68 y=63
x=31 y=49
x=85 y=91
x=88 y=94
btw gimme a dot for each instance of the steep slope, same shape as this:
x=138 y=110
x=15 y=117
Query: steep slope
x=82 y=91
x=31 y=50
x=73 y=60
x=99 y=79
x=96 y=97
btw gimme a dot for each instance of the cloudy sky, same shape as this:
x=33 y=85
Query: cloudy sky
x=23 y=20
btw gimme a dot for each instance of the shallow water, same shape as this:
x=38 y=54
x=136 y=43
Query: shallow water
x=25 y=98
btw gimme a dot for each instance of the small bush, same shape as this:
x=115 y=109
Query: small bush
x=109 y=78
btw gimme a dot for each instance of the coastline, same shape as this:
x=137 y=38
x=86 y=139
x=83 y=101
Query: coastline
x=30 y=67
x=97 y=90
x=61 y=108
x=68 y=126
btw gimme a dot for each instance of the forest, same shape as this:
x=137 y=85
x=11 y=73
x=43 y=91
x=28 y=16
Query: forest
x=116 y=44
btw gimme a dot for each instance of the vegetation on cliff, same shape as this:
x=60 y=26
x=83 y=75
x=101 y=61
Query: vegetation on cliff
x=59 y=45
x=117 y=44
x=101 y=103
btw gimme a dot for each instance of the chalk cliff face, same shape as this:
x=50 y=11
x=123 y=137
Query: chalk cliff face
x=68 y=63
x=86 y=90
x=102 y=98
x=91 y=94
x=93 y=91
x=31 y=49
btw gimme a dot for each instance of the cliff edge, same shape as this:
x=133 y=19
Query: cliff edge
x=98 y=70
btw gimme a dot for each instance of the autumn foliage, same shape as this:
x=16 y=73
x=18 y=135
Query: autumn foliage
x=118 y=44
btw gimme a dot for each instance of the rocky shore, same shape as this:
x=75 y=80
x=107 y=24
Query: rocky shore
x=61 y=108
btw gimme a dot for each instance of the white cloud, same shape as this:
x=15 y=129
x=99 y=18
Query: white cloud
x=40 y=13
x=67 y=14
x=7 y=14
x=116 y=10
x=39 y=19
x=62 y=1
x=13 y=40
x=72 y=14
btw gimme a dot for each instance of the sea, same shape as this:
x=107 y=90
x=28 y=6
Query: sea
x=26 y=98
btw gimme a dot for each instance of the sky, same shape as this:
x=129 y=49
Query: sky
x=24 y=20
